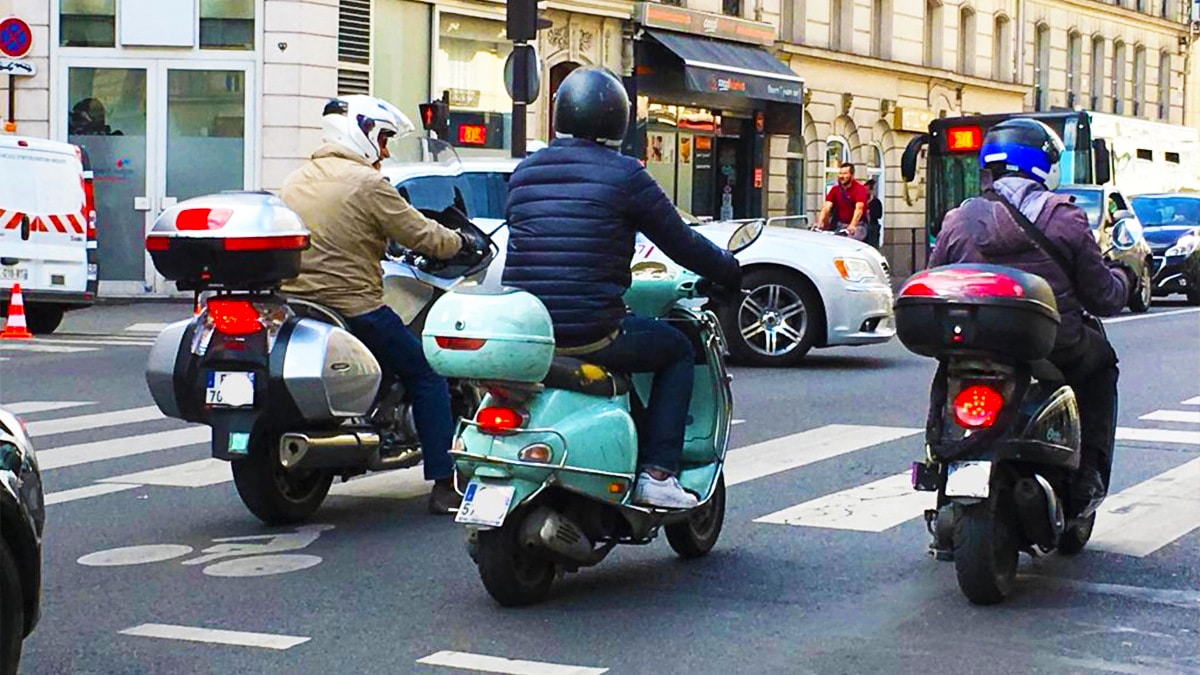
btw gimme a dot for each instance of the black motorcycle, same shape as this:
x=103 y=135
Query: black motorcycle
x=1002 y=435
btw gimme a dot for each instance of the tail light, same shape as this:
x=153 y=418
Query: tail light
x=498 y=421
x=954 y=283
x=459 y=343
x=202 y=219
x=977 y=406
x=239 y=318
x=234 y=317
x=89 y=204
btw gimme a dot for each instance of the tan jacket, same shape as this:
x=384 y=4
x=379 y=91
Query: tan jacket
x=352 y=211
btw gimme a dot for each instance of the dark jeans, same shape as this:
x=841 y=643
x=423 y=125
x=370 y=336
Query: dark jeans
x=399 y=353
x=1090 y=368
x=653 y=346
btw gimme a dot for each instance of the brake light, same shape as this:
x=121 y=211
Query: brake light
x=964 y=139
x=157 y=242
x=89 y=203
x=977 y=407
x=284 y=243
x=460 y=343
x=202 y=219
x=497 y=420
x=234 y=317
x=962 y=283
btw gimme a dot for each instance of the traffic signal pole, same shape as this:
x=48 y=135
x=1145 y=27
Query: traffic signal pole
x=520 y=95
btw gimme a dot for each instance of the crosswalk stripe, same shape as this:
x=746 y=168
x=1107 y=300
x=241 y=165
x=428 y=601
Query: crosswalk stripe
x=85 y=492
x=96 y=421
x=85 y=453
x=1158 y=435
x=1188 y=416
x=200 y=473
x=1146 y=517
x=32 y=407
x=107 y=342
x=806 y=447
x=873 y=507
x=496 y=664
x=1192 y=401
x=147 y=327
x=44 y=348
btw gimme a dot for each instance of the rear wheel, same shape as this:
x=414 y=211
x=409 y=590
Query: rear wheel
x=274 y=494
x=1076 y=536
x=12 y=612
x=43 y=319
x=1140 y=301
x=986 y=550
x=511 y=576
x=697 y=535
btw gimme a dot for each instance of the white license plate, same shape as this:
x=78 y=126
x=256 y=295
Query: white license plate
x=230 y=389
x=969 y=479
x=485 y=504
x=14 y=273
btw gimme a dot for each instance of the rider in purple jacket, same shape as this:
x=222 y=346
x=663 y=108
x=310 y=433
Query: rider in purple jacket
x=1021 y=156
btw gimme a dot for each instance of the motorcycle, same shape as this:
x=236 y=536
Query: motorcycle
x=551 y=454
x=293 y=398
x=1002 y=435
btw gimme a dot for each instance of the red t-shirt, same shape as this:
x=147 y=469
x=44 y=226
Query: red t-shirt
x=845 y=199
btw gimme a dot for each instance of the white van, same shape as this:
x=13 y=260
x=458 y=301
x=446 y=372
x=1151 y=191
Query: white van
x=47 y=229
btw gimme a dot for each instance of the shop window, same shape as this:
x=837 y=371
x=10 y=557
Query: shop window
x=1097 y=88
x=88 y=23
x=227 y=24
x=796 y=160
x=837 y=151
x=470 y=65
x=731 y=7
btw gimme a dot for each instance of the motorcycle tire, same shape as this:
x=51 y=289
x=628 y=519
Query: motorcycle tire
x=697 y=535
x=986 y=550
x=12 y=612
x=273 y=494
x=1076 y=536
x=512 y=577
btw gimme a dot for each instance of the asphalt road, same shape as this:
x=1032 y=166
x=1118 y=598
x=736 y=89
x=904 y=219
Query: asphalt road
x=820 y=568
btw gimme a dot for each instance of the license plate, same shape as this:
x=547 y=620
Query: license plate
x=485 y=504
x=230 y=389
x=14 y=273
x=969 y=479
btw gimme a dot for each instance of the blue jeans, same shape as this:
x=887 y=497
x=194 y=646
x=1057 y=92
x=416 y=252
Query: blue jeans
x=653 y=346
x=399 y=353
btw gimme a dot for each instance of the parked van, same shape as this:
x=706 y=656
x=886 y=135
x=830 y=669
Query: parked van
x=47 y=229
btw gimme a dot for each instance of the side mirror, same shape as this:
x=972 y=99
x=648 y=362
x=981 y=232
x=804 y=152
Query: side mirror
x=745 y=235
x=908 y=161
x=1103 y=161
x=1122 y=238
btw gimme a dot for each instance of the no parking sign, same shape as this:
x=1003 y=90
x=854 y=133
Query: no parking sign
x=16 y=39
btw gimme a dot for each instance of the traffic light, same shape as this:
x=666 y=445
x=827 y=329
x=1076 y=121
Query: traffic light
x=522 y=22
x=435 y=117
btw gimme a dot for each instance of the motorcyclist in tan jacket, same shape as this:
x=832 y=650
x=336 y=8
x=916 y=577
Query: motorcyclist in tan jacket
x=352 y=212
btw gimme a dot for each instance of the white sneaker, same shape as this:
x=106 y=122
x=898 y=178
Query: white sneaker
x=667 y=494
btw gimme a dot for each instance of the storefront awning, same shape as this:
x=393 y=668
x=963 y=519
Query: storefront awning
x=719 y=66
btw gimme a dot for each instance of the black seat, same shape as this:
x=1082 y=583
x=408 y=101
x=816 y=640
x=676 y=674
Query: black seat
x=586 y=378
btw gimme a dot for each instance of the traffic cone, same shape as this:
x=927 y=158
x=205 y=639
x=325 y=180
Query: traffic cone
x=16 y=329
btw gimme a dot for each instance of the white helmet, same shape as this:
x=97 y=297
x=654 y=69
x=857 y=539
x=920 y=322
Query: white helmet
x=357 y=123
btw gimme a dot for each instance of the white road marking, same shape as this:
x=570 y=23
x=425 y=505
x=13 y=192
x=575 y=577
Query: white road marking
x=735 y=422
x=97 y=421
x=873 y=507
x=262 y=565
x=147 y=327
x=399 y=484
x=1153 y=315
x=806 y=447
x=495 y=664
x=200 y=473
x=214 y=636
x=85 y=492
x=31 y=407
x=44 y=348
x=1158 y=435
x=1192 y=401
x=88 y=340
x=1187 y=416
x=1146 y=517
x=134 y=555
x=85 y=453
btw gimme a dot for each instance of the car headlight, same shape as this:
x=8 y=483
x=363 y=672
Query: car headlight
x=854 y=269
x=1184 y=246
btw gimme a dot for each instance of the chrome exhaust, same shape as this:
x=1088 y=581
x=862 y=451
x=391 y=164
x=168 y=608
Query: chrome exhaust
x=556 y=533
x=326 y=449
x=1039 y=511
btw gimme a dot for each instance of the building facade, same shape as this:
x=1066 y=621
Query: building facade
x=743 y=107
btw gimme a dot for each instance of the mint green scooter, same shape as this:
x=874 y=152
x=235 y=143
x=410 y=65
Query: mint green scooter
x=552 y=451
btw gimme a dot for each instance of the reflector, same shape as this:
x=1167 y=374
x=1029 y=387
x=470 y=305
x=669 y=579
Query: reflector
x=459 y=343
x=497 y=420
x=202 y=219
x=234 y=317
x=955 y=283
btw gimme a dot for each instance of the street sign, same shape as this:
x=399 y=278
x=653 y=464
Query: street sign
x=16 y=39
x=533 y=66
x=18 y=68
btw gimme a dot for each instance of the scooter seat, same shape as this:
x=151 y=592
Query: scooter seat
x=586 y=378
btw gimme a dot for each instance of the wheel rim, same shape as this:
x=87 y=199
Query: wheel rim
x=773 y=320
x=1147 y=289
x=704 y=522
x=299 y=485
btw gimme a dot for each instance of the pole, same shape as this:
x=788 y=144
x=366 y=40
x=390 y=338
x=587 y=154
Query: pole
x=520 y=95
x=12 y=99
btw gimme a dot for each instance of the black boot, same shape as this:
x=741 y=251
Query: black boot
x=443 y=499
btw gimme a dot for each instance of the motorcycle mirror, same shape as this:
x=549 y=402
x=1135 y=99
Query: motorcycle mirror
x=1121 y=237
x=745 y=235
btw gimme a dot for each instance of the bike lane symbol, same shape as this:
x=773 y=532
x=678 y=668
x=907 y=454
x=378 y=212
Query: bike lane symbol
x=248 y=556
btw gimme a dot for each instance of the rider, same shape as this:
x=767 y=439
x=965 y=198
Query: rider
x=352 y=211
x=1022 y=157
x=574 y=211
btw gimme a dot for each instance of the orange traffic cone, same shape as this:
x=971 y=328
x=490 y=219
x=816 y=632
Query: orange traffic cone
x=16 y=329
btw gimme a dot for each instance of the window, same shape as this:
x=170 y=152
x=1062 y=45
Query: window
x=1041 y=67
x=1096 y=91
x=1164 y=85
x=966 y=41
x=796 y=160
x=1172 y=157
x=841 y=25
x=1118 y=78
x=1002 y=46
x=934 y=27
x=1139 y=81
x=792 y=21
x=881 y=29
x=836 y=152
x=1147 y=155
x=227 y=24
x=88 y=23
x=354 y=31
x=731 y=7
x=1074 y=67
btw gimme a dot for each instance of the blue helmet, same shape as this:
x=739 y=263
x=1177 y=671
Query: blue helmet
x=1024 y=146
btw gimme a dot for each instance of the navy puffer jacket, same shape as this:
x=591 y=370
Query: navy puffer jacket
x=574 y=210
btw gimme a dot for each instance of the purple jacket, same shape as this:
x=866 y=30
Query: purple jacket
x=979 y=231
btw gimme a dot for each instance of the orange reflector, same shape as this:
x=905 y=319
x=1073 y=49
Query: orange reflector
x=616 y=488
x=497 y=421
x=977 y=407
x=459 y=343
x=964 y=139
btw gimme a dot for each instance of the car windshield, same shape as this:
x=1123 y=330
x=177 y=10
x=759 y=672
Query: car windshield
x=411 y=150
x=1089 y=201
x=1159 y=211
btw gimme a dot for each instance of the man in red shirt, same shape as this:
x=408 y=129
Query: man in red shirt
x=848 y=202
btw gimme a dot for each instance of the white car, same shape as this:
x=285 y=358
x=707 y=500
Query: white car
x=805 y=289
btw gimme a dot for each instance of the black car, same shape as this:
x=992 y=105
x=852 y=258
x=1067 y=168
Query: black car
x=22 y=517
x=1119 y=233
x=1172 y=225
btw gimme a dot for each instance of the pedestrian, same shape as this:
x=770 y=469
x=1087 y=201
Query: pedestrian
x=846 y=202
x=874 y=215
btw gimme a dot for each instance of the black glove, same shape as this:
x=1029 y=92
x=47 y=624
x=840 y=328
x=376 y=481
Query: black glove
x=474 y=248
x=719 y=292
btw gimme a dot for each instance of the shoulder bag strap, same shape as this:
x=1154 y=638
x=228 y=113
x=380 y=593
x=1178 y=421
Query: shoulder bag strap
x=1034 y=233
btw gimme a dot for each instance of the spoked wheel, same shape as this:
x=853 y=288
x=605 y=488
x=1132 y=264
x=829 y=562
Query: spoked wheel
x=511 y=576
x=986 y=549
x=776 y=323
x=1077 y=535
x=1140 y=302
x=697 y=535
x=274 y=494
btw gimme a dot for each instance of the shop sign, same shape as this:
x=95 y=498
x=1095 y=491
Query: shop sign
x=656 y=15
x=912 y=119
x=464 y=98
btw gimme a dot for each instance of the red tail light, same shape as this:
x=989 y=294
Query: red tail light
x=962 y=283
x=460 y=343
x=234 y=317
x=89 y=204
x=498 y=421
x=157 y=242
x=283 y=243
x=202 y=219
x=977 y=407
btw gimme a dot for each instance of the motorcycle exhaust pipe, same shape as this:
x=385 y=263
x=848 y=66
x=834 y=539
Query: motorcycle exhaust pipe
x=325 y=449
x=556 y=533
x=1039 y=511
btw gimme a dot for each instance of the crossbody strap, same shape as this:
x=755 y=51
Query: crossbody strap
x=1039 y=238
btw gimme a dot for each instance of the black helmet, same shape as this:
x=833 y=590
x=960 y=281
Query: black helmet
x=591 y=103
x=1023 y=146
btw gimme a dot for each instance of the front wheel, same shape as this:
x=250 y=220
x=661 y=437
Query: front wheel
x=697 y=535
x=776 y=323
x=43 y=319
x=274 y=494
x=986 y=551
x=511 y=576
x=1140 y=302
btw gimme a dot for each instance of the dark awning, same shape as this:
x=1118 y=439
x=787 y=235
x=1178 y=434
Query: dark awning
x=719 y=66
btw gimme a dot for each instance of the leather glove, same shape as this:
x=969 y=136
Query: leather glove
x=474 y=248
x=719 y=292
